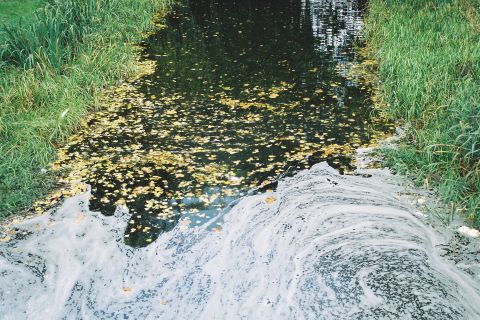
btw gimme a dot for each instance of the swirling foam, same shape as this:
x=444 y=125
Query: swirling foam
x=329 y=247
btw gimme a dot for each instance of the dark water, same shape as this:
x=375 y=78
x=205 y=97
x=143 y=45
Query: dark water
x=243 y=93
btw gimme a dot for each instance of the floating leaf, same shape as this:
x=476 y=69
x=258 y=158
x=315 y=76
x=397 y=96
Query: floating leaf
x=273 y=95
x=270 y=199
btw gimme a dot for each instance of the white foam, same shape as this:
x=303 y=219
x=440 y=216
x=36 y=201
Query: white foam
x=474 y=233
x=329 y=247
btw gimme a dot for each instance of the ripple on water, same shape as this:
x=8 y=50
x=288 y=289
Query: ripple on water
x=322 y=246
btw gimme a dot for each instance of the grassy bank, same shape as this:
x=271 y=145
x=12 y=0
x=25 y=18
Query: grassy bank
x=11 y=11
x=52 y=71
x=429 y=64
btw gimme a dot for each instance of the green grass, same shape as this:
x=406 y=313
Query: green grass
x=429 y=64
x=75 y=48
x=12 y=11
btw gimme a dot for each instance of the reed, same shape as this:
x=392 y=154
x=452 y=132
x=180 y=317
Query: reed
x=52 y=72
x=429 y=64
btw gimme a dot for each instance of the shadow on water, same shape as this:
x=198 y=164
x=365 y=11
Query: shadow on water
x=242 y=93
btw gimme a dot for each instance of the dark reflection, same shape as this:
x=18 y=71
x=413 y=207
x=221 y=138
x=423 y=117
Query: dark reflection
x=243 y=92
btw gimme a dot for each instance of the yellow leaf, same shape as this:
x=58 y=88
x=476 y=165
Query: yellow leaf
x=270 y=200
x=273 y=96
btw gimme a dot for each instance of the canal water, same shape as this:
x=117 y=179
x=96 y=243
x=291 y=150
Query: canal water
x=223 y=183
x=238 y=95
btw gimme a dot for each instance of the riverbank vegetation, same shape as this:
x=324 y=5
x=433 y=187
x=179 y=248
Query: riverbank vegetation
x=12 y=11
x=52 y=70
x=429 y=64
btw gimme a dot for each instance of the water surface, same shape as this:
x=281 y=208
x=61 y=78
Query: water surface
x=241 y=94
x=321 y=246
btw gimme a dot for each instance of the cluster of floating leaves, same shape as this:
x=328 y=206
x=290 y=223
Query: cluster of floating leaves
x=167 y=154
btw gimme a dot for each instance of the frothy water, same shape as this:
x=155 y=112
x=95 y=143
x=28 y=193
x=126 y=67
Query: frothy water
x=322 y=246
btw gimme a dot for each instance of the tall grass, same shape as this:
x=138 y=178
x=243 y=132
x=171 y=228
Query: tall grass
x=429 y=63
x=55 y=33
x=52 y=71
x=11 y=11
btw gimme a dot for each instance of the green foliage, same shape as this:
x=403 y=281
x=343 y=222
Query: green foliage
x=54 y=33
x=52 y=75
x=11 y=11
x=429 y=64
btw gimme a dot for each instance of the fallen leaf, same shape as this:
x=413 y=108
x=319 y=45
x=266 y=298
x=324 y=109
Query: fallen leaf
x=270 y=200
